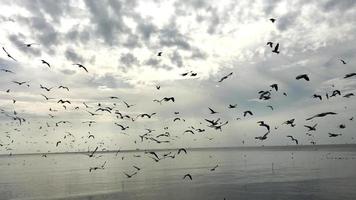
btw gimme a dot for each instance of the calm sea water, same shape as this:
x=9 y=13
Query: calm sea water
x=254 y=174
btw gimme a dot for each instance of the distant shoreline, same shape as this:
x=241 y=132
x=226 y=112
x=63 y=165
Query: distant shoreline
x=335 y=147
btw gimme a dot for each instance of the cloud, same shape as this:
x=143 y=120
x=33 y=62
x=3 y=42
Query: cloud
x=72 y=56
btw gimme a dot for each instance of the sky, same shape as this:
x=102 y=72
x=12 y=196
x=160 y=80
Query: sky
x=118 y=43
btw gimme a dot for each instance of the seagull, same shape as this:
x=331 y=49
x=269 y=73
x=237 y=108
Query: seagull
x=182 y=150
x=262 y=137
x=8 y=55
x=272 y=20
x=81 y=66
x=145 y=115
x=130 y=175
x=189 y=176
x=334 y=134
x=270 y=44
x=63 y=87
x=274 y=86
x=232 y=106
x=302 y=76
x=30 y=44
x=159 y=53
x=276 y=49
x=19 y=83
x=343 y=62
x=212 y=111
x=92 y=114
x=158 y=87
x=58 y=143
x=293 y=139
x=138 y=169
x=121 y=126
x=350 y=75
x=247 y=112
x=271 y=107
x=45 y=88
x=46 y=63
x=262 y=123
x=290 y=122
x=214 y=168
x=127 y=105
x=225 y=77
x=348 y=95
x=321 y=115
x=47 y=98
x=317 y=96
x=311 y=128
x=92 y=154
x=63 y=101
x=7 y=71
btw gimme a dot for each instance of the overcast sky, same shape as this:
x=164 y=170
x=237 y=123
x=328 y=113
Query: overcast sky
x=118 y=42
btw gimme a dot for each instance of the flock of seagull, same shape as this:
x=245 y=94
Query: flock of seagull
x=150 y=135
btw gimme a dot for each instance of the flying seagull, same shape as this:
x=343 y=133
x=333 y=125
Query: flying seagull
x=343 y=62
x=311 y=128
x=321 y=115
x=212 y=111
x=276 y=49
x=272 y=20
x=8 y=55
x=302 y=76
x=46 y=63
x=225 y=77
x=293 y=139
x=350 y=75
x=81 y=66
x=188 y=175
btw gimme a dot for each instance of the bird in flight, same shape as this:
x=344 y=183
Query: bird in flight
x=311 y=128
x=81 y=66
x=46 y=63
x=270 y=44
x=321 y=115
x=274 y=86
x=8 y=55
x=7 y=71
x=302 y=76
x=30 y=44
x=262 y=123
x=127 y=105
x=130 y=175
x=276 y=49
x=159 y=53
x=334 y=134
x=350 y=75
x=47 y=98
x=63 y=87
x=247 y=112
x=212 y=111
x=293 y=139
x=188 y=176
x=214 y=168
x=343 y=62
x=317 y=96
x=19 y=83
x=225 y=77
x=272 y=20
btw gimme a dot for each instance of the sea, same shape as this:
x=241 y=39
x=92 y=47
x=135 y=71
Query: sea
x=255 y=173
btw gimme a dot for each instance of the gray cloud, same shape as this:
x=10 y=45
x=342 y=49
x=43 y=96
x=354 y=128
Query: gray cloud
x=71 y=55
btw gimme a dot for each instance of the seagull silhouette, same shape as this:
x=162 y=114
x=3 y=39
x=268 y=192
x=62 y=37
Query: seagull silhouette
x=212 y=111
x=321 y=115
x=276 y=49
x=46 y=63
x=343 y=62
x=302 y=76
x=188 y=175
x=293 y=139
x=225 y=77
x=311 y=128
x=81 y=66
x=8 y=55
x=350 y=75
